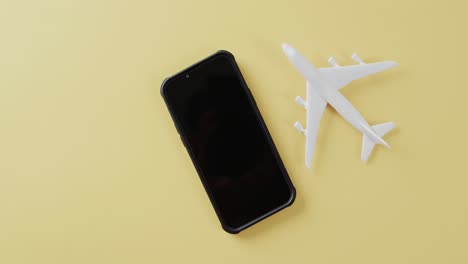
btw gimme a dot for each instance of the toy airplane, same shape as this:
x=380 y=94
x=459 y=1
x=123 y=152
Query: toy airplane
x=323 y=86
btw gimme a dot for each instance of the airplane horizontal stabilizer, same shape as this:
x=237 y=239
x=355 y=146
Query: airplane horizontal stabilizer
x=384 y=128
x=368 y=144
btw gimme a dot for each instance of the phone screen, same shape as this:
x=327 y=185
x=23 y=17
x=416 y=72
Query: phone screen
x=228 y=142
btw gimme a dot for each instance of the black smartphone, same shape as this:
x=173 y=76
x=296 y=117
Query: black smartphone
x=228 y=142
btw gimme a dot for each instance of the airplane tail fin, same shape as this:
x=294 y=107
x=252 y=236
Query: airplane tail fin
x=368 y=143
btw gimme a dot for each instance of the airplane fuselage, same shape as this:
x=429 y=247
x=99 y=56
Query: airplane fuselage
x=326 y=89
x=341 y=105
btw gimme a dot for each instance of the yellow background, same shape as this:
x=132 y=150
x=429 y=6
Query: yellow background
x=93 y=171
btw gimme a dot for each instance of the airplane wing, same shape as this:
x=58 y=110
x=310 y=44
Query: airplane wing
x=342 y=75
x=315 y=107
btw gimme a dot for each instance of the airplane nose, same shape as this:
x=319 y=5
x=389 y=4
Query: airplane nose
x=288 y=50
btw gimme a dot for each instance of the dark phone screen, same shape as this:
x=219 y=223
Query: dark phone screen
x=227 y=142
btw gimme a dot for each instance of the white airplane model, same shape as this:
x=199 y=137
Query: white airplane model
x=323 y=86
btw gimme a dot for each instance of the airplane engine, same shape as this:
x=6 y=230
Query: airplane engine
x=356 y=58
x=333 y=62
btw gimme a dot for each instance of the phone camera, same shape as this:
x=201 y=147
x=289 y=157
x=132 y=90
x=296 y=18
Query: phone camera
x=187 y=76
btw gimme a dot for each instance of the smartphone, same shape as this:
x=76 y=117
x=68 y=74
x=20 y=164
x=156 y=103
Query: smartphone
x=229 y=144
